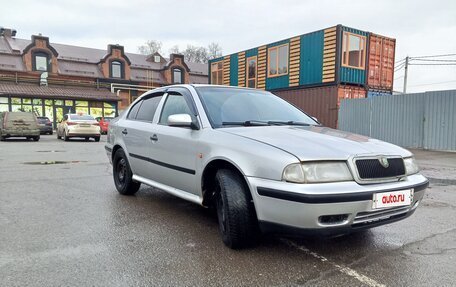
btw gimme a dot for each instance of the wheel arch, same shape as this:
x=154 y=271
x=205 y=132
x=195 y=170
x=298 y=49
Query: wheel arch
x=208 y=178
x=115 y=148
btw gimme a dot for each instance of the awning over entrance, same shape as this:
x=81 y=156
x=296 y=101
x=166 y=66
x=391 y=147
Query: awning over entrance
x=53 y=92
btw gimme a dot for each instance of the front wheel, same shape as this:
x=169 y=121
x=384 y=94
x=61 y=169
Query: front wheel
x=123 y=177
x=235 y=211
x=37 y=138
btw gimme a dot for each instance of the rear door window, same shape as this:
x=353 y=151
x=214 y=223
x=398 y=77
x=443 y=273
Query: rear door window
x=147 y=110
x=134 y=111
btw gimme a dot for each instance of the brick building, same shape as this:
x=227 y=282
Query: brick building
x=53 y=79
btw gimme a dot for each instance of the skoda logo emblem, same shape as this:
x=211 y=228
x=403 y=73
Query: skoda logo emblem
x=384 y=162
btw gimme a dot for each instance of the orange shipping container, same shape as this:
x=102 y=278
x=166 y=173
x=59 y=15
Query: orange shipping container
x=380 y=73
x=322 y=102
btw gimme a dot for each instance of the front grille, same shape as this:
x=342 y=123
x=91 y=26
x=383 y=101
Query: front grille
x=373 y=169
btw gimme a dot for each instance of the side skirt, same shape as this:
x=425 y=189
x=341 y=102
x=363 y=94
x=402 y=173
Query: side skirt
x=174 y=191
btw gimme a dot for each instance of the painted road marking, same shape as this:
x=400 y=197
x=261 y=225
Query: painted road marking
x=343 y=269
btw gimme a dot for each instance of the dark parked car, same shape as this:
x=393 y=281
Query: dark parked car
x=19 y=124
x=104 y=123
x=45 y=125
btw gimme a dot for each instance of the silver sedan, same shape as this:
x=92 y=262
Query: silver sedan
x=261 y=163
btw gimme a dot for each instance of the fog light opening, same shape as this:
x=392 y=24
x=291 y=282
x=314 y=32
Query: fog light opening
x=334 y=219
x=416 y=204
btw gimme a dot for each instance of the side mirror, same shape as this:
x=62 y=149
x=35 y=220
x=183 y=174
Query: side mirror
x=183 y=121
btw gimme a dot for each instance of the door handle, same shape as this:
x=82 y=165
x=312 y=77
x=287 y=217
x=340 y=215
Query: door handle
x=154 y=138
x=125 y=131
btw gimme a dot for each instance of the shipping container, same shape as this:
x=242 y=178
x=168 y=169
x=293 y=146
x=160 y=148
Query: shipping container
x=380 y=72
x=374 y=93
x=332 y=56
x=322 y=102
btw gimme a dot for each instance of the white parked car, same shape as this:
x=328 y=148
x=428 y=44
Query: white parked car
x=78 y=126
x=261 y=162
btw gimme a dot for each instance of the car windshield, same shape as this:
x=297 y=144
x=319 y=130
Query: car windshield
x=234 y=106
x=82 y=118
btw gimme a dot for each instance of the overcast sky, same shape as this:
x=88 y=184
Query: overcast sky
x=420 y=27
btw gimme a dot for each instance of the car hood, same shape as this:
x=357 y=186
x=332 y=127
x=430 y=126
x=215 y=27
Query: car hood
x=317 y=142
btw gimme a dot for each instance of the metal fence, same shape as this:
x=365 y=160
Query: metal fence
x=422 y=120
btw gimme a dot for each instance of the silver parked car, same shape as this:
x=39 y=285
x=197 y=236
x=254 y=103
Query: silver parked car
x=262 y=163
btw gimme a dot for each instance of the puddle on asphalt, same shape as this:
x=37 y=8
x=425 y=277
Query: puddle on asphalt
x=53 y=162
x=50 y=151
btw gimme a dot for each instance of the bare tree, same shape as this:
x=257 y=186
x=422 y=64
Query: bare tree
x=197 y=54
x=214 y=51
x=174 y=50
x=150 y=47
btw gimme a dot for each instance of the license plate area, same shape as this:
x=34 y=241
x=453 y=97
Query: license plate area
x=392 y=199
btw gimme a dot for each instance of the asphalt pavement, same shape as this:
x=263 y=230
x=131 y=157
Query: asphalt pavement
x=62 y=223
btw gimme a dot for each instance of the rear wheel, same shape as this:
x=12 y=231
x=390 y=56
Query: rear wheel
x=2 y=138
x=51 y=132
x=97 y=139
x=235 y=211
x=65 y=137
x=86 y=139
x=58 y=136
x=122 y=174
x=36 y=138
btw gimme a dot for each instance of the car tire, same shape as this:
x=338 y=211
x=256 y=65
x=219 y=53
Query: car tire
x=97 y=139
x=123 y=177
x=58 y=136
x=2 y=138
x=36 y=138
x=86 y=139
x=51 y=132
x=236 y=215
x=65 y=137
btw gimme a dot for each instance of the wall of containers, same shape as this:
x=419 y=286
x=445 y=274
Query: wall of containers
x=314 y=71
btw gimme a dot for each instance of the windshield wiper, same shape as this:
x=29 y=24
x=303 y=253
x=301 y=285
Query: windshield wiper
x=288 y=123
x=246 y=123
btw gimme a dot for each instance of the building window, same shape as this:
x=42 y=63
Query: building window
x=278 y=61
x=116 y=69
x=353 y=47
x=251 y=72
x=217 y=73
x=41 y=62
x=177 y=76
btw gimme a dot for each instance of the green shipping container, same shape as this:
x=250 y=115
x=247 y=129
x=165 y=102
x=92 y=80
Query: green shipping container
x=336 y=55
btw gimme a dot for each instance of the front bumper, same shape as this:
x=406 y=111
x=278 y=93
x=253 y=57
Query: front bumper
x=328 y=208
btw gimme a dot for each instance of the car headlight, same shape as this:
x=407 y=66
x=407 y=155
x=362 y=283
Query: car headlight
x=316 y=172
x=410 y=166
